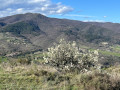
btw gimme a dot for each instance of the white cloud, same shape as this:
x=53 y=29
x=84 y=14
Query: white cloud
x=37 y=1
x=104 y=16
x=47 y=7
x=94 y=21
x=19 y=10
x=77 y=15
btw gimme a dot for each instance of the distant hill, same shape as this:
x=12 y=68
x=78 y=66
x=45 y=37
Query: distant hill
x=31 y=31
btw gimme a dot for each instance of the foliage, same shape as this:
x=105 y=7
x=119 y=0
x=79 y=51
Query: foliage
x=68 y=56
x=3 y=59
x=96 y=80
x=92 y=35
x=21 y=28
x=20 y=60
x=24 y=61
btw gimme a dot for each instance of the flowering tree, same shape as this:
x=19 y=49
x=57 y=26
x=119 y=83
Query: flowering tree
x=68 y=56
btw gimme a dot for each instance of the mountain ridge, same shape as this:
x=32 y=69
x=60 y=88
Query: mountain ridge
x=38 y=31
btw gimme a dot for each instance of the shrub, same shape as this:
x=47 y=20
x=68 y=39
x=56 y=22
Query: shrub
x=96 y=80
x=68 y=56
x=24 y=61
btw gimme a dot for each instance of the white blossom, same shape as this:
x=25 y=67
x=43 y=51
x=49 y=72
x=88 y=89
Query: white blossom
x=68 y=55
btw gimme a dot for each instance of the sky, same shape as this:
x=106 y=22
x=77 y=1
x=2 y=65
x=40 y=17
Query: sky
x=83 y=10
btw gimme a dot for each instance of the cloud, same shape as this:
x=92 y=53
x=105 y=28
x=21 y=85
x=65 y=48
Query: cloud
x=105 y=16
x=37 y=1
x=77 y=15
x=46 y=7
x=94 y=21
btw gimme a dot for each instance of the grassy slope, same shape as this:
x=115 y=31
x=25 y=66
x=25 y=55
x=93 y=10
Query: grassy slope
x=27 y=77
x=38 y=77
x=24 y=77
x=109 y=53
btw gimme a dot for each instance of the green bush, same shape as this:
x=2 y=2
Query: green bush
x=3 y=59
x=24 y=61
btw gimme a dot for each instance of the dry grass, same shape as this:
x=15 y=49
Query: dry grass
x=42 y=77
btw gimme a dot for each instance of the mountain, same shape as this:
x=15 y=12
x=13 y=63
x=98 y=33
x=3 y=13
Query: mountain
x=32 y=31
